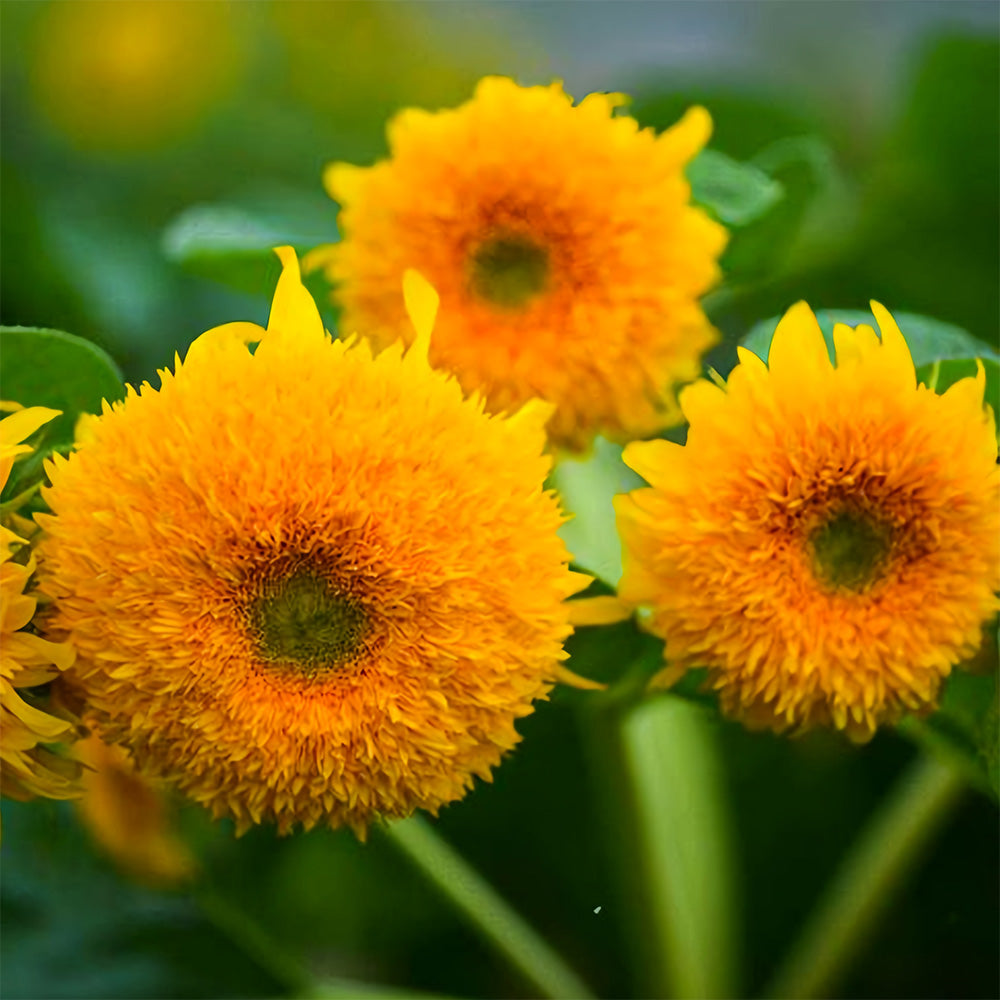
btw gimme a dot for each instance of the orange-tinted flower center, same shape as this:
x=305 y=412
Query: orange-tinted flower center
x=508 y=270
x=300 y=621
x=850 y=549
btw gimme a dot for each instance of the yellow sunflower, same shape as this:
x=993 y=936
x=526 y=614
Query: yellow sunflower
x=305 y=584
x=826 y=543
x=28 y=767
x=561 y=240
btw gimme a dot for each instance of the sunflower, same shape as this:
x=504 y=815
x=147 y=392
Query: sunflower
x=561 y=239
x=28 y=765
x=826 y=543
x=293 y=591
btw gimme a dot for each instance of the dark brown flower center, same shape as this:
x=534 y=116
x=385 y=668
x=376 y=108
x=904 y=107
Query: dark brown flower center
x=850 y=549
x=302 y=622
x=508 y=270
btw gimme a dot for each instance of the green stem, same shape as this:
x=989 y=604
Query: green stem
x=684 y=847
x=256 y=942
x=474 y=897
x=863 y=887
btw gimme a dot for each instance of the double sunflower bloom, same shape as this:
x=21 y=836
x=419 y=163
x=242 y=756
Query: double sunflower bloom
x=308 y=583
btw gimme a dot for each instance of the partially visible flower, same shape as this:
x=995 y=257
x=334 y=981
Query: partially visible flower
x=28 y=767
x=562 y=241
x=127 y=816
x=125 y=76
x=293 y=592
x=827 y=543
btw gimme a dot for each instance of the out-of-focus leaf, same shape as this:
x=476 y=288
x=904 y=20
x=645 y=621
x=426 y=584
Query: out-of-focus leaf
x=587 y=488
x=929 y=339
x=231 y=243
x=966 y=727
x=52 y=368
x=805 y=225
x=737 y=193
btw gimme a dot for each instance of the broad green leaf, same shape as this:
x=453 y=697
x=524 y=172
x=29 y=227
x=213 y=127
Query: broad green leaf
x=738 y=193
x=51 y=368
x=232 y=244
x=587 y=487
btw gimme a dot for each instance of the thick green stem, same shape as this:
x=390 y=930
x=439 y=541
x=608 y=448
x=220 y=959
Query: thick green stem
x=476 y=899
x=864 y=886
x=684 y=847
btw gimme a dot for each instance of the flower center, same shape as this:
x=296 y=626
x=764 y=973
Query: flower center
x=850 y=550
x=302 y=622
x=508 y=270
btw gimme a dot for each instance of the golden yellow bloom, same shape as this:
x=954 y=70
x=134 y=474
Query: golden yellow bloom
x=27 y=766
x=561 y=239
x=128 y=817
x=826 y=543
x=306 y=584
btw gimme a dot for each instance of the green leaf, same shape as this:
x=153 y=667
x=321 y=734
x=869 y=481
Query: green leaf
x=587 y=488
x=51 y=368
x=806 y=225
x=232 y=244
x=737 y=193
x=929 y=340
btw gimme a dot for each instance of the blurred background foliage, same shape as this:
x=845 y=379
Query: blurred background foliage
x=143 y=141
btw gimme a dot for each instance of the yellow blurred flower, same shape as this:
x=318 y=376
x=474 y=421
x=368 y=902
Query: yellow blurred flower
x=562 y=241
x=128 y=817
x=28 y=767
x=826 y=543
x=292 y=589
x=130 y=75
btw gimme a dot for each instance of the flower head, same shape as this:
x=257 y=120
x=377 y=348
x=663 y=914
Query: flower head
x=561 y=239
x=826 y=543
x=28 y=767
x=293 y=591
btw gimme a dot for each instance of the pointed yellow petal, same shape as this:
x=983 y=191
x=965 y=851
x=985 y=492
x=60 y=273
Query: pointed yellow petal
x=681 y=142
x=969 y=391
x=566 y=676
x=798 y=352
x=851 y=344
x=894 y=347
x=421 y=306
x=15 y=428
x=701 y=400
x=655 y=461
x=667 y=677
x=535 y=411
x=85 y=428
x=222 y=336
x=293 y=310
x=605 y=610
